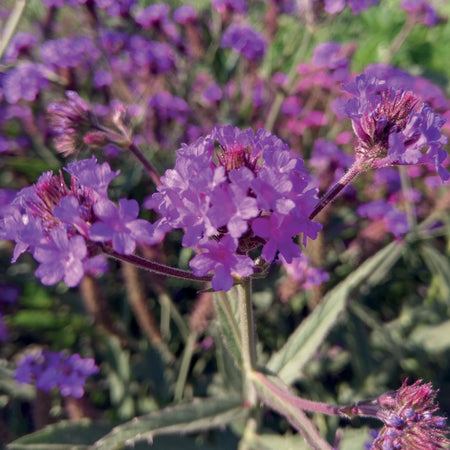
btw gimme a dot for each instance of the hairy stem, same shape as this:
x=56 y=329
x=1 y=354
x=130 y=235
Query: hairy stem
x=335 y=190
x=152 y=266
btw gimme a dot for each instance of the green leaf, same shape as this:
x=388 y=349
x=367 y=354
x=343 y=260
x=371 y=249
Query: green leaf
x=276 y=442
x=64 y=435
x=437 y=263
x=432 y=338
x=291 y=359
x=201 y=414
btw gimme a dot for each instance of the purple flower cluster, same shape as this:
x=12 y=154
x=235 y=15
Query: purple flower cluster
x=395 y=221
x=245 y=40
x=357 y=6
x=409 y=420
x=59 y=225
x=49 y=370
x=393 y=126
x=232 y=191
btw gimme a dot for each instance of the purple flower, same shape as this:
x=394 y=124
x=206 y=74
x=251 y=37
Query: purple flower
x=120 y=226
x=92 y=175
x=49 y=370
x=184 y=14
x=421 y=10
x=24 y=82
x=61 y=258
x=300 y=270
x=249 y=187
x=335 y=6
x=220 y=257
x=153 y=16
x=409 y=420
x=70 y=120
x=245 y=40
x=393 y=126
x=395 y=221
x=229 y=5
x=20 y=43
x=169 y=107
x=66 y=53
x=116 y=8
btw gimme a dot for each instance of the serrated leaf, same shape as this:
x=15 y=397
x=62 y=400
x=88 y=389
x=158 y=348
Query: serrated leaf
x=301 y=346
x=64 y=435
x=195 y=416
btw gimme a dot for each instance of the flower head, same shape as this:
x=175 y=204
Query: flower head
x=393 y=126
x=48 y=370
x=52 y=220
x=245 y=187
x=245 y=40
x=410 y=421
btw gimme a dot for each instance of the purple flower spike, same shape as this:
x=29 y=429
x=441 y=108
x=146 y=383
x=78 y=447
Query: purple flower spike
x=61 y=258
x=220 y=256
x=49 y=370
x=120 y=226
x=245 y=40
x=393 y=126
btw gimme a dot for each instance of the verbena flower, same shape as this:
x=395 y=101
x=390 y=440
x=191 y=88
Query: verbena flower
x=60 y=225
x=410 y=421
x=393 y=126
x=245 y=40
x=357 y=6
x=249 y=187
x=421 y=10
x=49 y=370
x=24 y=82
x=395 y=221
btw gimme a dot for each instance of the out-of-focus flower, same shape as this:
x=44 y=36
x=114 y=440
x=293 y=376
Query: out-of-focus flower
x=245 y=40
x=229 y=6
x=67 y=53
x=24 y=82
x=234 y=183
x=49 y=370
x=357 y=6
x=301 y=271
x=20 y=43
x=421 y=10
x=393 y=126
x=395 y=221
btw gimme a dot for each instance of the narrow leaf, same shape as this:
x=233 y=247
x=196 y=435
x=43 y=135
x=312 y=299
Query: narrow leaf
x=64 y=435
x=191 y=417
x=301 y=346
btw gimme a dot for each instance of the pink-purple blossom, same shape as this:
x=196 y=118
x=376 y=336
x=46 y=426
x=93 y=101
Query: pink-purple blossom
x=249 y=187
x=393 y=126
x=49 y=370
x=244 y=39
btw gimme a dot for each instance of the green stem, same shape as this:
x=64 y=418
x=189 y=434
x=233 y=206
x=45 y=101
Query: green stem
x=248 y=341
x=185 y=364
x=277 y=397
x=247 y=326
x=11 y=25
